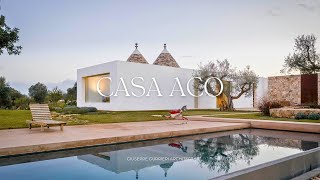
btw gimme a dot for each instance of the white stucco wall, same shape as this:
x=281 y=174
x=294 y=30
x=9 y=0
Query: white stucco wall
x=165 y=79
x=128 y=70
x=91 y=71
x=261 y=91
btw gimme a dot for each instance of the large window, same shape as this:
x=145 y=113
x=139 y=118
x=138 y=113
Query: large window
x=95 y=83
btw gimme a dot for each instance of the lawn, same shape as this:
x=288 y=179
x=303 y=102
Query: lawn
x=115 y=117
x=131 y=116
x=11 y=119
x=259 y=116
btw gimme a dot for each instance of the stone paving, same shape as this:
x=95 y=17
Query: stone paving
x=265 y=124
x=21 y=141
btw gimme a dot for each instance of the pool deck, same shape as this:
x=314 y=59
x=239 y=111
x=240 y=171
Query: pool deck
x=265 y=124
x=22 y=141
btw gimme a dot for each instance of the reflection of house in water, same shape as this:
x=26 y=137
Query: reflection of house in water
x=217 y=153
x=297 y=144
x=118 y=162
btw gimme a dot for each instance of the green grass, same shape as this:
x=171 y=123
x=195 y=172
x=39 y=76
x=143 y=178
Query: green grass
x=131 y=116
x=259 y=116
x=116 y=117
x=210 y=112
x=12 y=119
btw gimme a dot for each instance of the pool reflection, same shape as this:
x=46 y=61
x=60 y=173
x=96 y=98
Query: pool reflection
x=217 y=155
x=197 y=157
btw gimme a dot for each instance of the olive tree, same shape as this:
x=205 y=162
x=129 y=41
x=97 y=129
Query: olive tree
x=38 y=92
x=5 y=98
x=72 y=93
x=242 y=81
x=8 y=38
x=304 y=58
x=55 y=95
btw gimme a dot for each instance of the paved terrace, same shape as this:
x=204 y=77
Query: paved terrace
x=265 y=124
x=22 y=141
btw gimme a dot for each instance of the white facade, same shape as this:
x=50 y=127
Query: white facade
x=165 y=77
x=260 y=92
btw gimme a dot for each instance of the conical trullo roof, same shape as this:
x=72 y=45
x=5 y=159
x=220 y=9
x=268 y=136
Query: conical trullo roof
x=166 y=167
x=137 y=57
x=165 y=59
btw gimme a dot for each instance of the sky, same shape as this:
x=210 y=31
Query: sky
x=60 y=36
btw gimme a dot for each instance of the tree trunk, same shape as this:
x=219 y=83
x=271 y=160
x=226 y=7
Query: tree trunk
x=230 y=104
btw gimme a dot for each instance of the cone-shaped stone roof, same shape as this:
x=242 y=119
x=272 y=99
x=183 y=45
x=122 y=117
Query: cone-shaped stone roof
x=137 y=57
x=165 y=59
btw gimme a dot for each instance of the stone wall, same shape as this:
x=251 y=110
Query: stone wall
x=286 y=89
x=291 y=112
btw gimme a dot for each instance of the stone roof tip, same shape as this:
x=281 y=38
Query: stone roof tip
x=136 y=56
x=166 y=59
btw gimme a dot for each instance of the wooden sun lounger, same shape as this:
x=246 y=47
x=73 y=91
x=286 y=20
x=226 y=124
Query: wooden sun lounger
x=41 y=116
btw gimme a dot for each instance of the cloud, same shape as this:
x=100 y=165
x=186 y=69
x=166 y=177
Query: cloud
x=306 y=6
x=64 y=85
x=274 y=11
x=309 y=5
x=312 y=6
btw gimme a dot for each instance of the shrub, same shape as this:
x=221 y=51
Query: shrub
x=54 y=105
x=265 y=106
x=71 y=103
x=57 y=109
x=314 y=116
x=76 y=110
x=71 y=110
x=91 y=109
x=300 y=115
x=22 y=103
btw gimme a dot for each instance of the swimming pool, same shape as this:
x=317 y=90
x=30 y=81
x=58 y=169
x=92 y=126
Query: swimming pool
x=192 y=157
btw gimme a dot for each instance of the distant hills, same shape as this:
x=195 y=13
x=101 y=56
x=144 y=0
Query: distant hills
x=23 y=87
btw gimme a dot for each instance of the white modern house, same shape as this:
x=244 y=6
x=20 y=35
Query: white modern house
x=136 y=85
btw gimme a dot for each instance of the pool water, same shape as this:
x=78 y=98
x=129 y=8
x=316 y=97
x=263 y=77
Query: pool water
x=193 y=157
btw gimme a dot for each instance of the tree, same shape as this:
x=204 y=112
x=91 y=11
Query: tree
x=241 y=81
x=222 y=153
x=14 y=94
x=304 y=58
x=38 y=92
x=5 y=98
x=8 y=38
x=55 y=95
x=72 y=93
x=220 y=69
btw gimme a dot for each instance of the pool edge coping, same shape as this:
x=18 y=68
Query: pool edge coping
x=255 y=171
x=38 y=148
